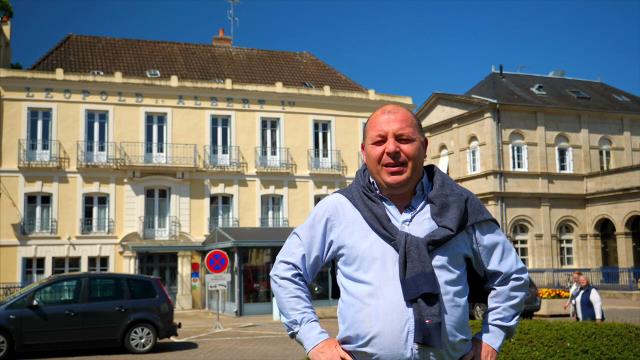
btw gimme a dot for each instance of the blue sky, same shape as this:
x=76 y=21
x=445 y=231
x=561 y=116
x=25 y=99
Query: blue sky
x=398 y=47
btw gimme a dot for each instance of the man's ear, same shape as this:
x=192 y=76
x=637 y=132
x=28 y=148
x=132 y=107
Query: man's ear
x=362 y=150
x=426 y=145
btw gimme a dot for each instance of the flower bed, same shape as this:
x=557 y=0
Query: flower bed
x=553 y=293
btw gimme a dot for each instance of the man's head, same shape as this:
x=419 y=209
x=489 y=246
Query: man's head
x=394 y=148
x=584 y=281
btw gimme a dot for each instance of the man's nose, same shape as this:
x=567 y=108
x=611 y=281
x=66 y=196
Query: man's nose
x=392 y=147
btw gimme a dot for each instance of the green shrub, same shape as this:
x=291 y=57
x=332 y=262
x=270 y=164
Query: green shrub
x=542 y=339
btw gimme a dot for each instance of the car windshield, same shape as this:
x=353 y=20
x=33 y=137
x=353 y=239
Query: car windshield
x=21 y=291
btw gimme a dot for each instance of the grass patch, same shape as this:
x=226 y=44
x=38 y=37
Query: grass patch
x=541 y=339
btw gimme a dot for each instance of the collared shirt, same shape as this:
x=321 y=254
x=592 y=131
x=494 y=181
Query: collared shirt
x=374 y=320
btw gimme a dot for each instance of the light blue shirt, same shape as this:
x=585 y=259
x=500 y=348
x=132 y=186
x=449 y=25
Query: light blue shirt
x=374 y=320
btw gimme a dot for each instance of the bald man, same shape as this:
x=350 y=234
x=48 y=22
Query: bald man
x=406 y=239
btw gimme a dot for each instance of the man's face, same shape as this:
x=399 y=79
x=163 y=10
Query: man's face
x=394 y=150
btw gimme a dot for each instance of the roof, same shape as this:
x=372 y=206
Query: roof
x=247 y=237
x=204 y=62
x=510 y=88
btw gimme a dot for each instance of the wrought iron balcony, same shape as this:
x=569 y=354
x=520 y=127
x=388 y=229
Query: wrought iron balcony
x=39 y=226
x=225 y=158
x=38 y=153
x=97 y=154
x=158 y=154
x=159 y=227
x=273 y=159
x=327 y=161
x=222 y=222
x=274 y=221
x=89 y=226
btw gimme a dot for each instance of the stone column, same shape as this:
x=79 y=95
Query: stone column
x=184 y=299
x=625 y=249
x=130 y=262
x=595 y=250
x=545 y=221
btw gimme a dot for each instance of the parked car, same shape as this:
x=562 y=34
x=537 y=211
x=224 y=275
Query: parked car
x=87 y=309
x=531 y=304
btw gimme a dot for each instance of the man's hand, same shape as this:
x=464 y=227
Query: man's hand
x=481 y=351
x=329 y=349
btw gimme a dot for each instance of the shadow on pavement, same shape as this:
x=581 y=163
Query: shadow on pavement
x=161 y=348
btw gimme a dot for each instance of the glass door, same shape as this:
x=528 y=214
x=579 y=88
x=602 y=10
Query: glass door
x=220 y=140
x=271 y=211
x=321 y=144
x=155 y=137
x=95 y=214
x=156 y=219
x=270 y=142
x=39 y=135
x=220 y=210
x=96 y=142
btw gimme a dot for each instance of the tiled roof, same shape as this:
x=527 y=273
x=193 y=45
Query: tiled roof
x=511 y=88
x=82 y=54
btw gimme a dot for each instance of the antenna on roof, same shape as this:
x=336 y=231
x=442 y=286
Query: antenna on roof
x=232 y=17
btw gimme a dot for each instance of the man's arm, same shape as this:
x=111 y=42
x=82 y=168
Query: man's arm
x=304 y=253
x=507 y=280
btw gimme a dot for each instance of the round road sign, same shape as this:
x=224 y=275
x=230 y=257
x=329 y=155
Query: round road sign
x=216 y=261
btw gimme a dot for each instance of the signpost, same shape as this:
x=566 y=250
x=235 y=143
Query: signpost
x=217 y=263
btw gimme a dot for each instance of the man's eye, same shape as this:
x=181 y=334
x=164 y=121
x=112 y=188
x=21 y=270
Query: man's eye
x=405 y=140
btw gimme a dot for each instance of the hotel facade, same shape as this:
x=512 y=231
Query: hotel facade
x=557 y=162
x=141 y=156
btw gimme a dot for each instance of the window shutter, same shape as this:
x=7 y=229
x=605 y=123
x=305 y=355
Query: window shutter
x=478 y=159
x=469 y=165
x=525 y=157
x=511 y=157
x=557 y=159
x=569 y=160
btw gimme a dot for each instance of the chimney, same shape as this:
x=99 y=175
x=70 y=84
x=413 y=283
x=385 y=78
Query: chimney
x=5 y=43
x=222 y=39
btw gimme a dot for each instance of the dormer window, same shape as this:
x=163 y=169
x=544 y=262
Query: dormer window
x=579 y=94
x=153 y=73
x=621 y=97
x=96 y=72
x=218 y=81
x=538 y=89
x=308 y=85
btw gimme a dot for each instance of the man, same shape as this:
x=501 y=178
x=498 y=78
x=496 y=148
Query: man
x=403 y=238
x=573 y=292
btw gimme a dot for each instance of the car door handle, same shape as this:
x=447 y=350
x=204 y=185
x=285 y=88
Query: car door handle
x=70 y=313
x=120 y=308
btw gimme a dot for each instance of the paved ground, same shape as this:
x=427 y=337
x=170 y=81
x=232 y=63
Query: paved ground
x=257 y=337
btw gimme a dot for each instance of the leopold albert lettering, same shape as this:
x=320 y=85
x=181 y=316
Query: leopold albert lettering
x=139 y=98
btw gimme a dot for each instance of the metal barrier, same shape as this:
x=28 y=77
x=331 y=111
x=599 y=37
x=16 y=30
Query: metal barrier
x=38 y=153
x=222 y=157
x=158 y=154
x=601 y=278
x=96 y=226
x=274 y=159
x=97 y=153
x=326 y=161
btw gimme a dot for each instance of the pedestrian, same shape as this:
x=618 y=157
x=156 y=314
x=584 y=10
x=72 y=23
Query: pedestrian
x=588 y=302
x=573 y=292
x=404 y=238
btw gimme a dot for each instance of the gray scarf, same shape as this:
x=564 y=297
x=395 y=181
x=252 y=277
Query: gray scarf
x=453 y=209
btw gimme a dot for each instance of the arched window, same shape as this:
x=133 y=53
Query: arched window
x=604 y=150
x=443 y=164
x=221 y=211
x=473 y=156
x=565 y=243
x=520 y=237
x=518 y=152
x=608 y=243
x=564 y=155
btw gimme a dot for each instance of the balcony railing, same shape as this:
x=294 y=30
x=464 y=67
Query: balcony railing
x=89 y=226
x=158 y=154
x=273 y=159
x=222 y=158
x=97 y=153
x=159 y=227
x=38 y=153
x=222 y=222
x=274 y=221
x=39 y=226
x=329 y=161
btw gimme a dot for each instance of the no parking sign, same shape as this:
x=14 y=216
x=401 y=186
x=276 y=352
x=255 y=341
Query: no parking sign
x=216 y=261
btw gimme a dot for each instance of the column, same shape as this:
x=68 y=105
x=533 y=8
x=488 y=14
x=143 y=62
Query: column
x=545 y=220
x=130 y=262
x=625 y=249
x=183 y=297
x=595 y=250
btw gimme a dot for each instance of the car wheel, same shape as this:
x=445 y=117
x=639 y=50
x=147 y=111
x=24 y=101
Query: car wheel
x=479 y=310
x=6 y=346
x=140 y=338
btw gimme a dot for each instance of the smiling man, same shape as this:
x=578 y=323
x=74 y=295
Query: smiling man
x=405 y=239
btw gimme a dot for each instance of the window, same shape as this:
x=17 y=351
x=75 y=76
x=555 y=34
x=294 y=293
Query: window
x=32 y=270
x=621 y=97
x=518 y=150
x=96 y=72
x=39 y=135
x=153 y=73
x=321 y=156
x=538 y=89
x=520 y=237
x=38 y=214
x=220 y=210
x=565 y=237
x=96 y=137
x=220 y=140
x=141 y=289
x=105 y=289
x=604 y=153
x=59 y=293
x=443 y=163
x=155 y=139
x=156 y=213
x=473 y=157
x=96 y=214
x=308 y=85
x=271 y=211
x=270 y=142
x=65 y=265
x=98 y=263
x=564 y=157
x=579 y=94
x=317 y=199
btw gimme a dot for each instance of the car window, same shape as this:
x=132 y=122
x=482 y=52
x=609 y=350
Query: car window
x=60 y=293
x=141 y=289
x=105 y=289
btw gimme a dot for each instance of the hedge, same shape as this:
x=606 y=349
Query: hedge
x=543 y=339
